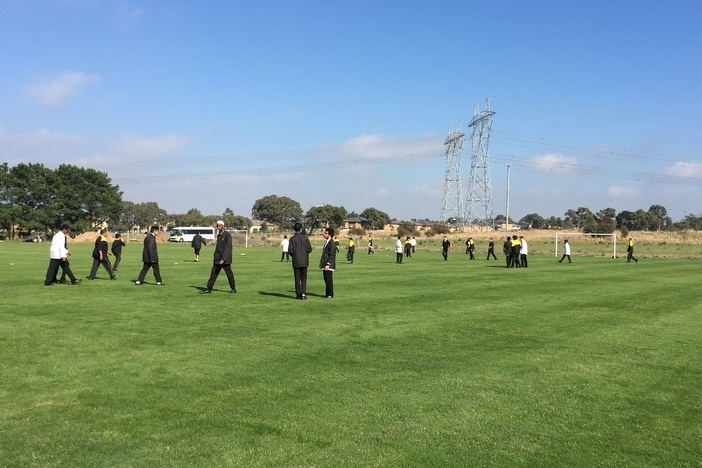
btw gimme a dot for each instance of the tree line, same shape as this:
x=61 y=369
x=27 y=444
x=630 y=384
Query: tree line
x=34 y=198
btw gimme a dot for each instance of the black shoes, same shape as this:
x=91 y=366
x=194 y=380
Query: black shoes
x=206 y=291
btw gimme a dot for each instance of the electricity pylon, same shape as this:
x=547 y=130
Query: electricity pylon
x=479 y=200
x=452 y=202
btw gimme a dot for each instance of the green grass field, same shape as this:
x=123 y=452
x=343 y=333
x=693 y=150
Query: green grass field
x=428 y=363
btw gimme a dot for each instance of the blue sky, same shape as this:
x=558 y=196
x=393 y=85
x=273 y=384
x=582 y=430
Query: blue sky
x=214 y=104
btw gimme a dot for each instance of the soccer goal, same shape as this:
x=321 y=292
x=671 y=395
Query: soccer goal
x=591 y=239
x=240 y=237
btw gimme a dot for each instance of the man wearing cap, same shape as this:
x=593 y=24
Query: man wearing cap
x=222 y=260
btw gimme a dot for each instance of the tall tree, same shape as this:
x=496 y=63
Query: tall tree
x=85 y=198
x=659 y=217
x=36 y=198
x=601 y=222
x=142 y=214
x=533 y=220
x=5 y=200
x=193 y=217
x=580 y=217
x=325 y=215
x=377 y=219
x=31 y=193
x=283 y=211
x=234 y=221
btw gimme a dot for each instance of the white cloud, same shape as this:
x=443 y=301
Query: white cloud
x=382 y=192
x=381 y=148
x=620 y=192
x=55 y=91
x=148 y=147
x=39 y=146
x=685 y=169
x=552 y=162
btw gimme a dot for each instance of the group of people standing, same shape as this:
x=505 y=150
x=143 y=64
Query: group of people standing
x=300 y=248
x=516 y=252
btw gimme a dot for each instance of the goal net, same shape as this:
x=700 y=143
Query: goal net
x=240 y=237
x=588 y=244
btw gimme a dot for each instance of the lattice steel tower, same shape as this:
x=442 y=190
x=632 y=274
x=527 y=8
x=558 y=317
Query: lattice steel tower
x=452 y=202
x=479 y=200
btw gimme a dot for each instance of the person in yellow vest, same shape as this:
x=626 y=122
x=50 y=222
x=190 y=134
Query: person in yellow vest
x=515 y=252
x=100 y=254
x=350 y=250
x=630 y=252
x=408 y=247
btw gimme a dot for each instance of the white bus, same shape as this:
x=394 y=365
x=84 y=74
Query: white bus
x=186 y=233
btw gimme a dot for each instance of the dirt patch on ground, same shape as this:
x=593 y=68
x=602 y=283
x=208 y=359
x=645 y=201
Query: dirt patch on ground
x=89 y=237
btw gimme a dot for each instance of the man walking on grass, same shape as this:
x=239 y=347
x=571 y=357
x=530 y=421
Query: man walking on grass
x=222 y=260
x=149 y=256
x=58 y=254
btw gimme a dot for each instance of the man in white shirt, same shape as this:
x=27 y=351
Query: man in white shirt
x=523 y=252
x=398 y=250
x=284 y=244
x=58 y=254
x=566 y=251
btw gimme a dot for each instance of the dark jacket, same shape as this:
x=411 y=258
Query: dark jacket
x=150 y=253
x=223 y=251
x=198 y=241
x=328 y=255
x=299 y=248
x=507 y=248
x=100 y=246
x=117 y=245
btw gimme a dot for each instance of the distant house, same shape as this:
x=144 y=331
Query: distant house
x=419 y=225
x=262 y=226
x=354 y=223
x=424 y=224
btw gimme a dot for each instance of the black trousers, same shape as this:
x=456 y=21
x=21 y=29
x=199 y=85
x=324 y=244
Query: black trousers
x=399 y=257
x=118 y=258
x=445 y=254
x=328 y=282
x=105 y=262
x=524 y=260
x=491 y=252
x=216 y=268
x=157 y=272
x=300 y=281
x=52 y=271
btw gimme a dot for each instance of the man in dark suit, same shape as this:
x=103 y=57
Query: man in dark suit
x=150 y=258
x=507 y=250
x=100 y=255
x=328 y=261
x=222 y=260
x=299 y=248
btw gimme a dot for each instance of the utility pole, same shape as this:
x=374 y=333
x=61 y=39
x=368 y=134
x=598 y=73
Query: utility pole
x=507 y=203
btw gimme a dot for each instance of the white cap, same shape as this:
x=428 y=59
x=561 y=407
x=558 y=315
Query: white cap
x=220 y=222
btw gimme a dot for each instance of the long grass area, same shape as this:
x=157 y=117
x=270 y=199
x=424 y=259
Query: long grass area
x=426 y=363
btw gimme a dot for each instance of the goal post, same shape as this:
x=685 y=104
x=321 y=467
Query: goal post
x=566 y=235
x=240 y=237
